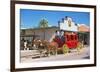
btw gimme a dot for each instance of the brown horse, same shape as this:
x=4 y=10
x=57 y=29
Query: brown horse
x=51 y=47
x=40 y=46
x=46 y=48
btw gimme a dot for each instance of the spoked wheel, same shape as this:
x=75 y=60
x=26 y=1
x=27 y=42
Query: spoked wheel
x=65 y=49
x=79 y=46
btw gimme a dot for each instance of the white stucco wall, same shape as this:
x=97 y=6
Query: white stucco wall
x=65 y=26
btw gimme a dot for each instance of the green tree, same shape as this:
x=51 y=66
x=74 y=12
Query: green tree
x=43 y=24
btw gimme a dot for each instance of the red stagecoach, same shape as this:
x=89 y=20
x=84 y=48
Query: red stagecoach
x=70 y=39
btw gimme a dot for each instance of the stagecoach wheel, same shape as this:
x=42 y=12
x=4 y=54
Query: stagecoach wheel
x=65 y=49
x=79 y=46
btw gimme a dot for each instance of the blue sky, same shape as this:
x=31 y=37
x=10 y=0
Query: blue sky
x=31 y=18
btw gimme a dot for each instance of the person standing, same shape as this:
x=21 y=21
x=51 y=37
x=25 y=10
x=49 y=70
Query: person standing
x=25 y=45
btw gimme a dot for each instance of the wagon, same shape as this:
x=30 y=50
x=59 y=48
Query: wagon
x=68 y=41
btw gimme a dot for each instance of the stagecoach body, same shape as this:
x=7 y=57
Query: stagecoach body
x=70 y=39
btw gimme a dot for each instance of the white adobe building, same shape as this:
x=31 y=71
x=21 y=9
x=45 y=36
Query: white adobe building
x=67 y=24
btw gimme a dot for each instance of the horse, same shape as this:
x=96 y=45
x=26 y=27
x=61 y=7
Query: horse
x=52 y=48
x=45 y=47
x=40 y=46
